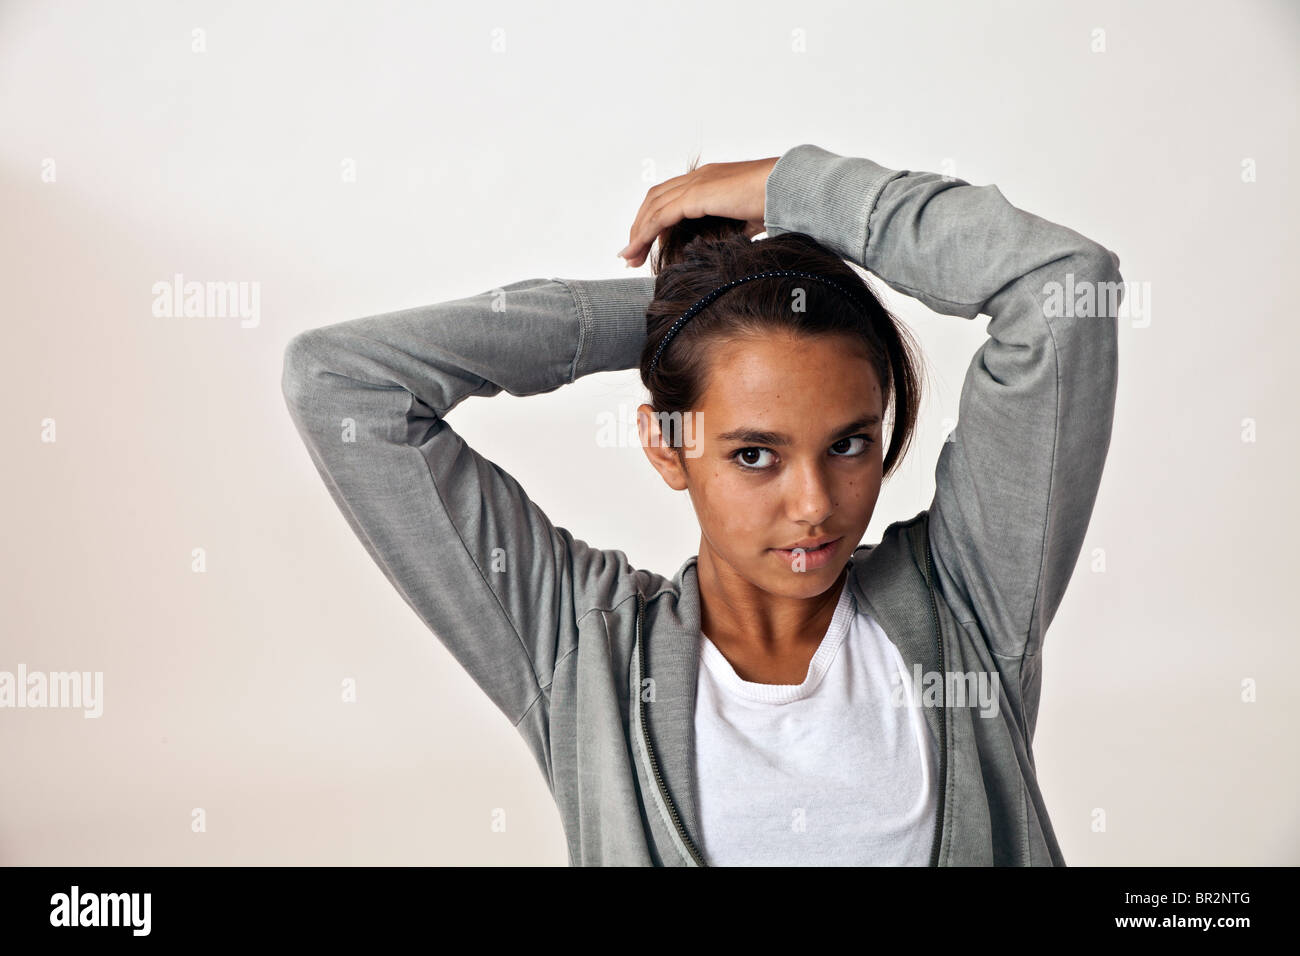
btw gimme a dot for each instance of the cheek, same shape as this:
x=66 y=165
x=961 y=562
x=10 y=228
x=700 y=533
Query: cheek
x=859 y=491
x=738 y=508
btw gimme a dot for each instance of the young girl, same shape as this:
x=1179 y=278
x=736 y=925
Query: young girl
x=789 y=696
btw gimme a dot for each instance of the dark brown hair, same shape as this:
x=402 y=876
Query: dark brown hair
x=695 y=256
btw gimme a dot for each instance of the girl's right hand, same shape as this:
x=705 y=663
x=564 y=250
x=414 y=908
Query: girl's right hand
x=731 y=190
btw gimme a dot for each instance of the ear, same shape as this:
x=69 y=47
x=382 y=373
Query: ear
x=661 y=456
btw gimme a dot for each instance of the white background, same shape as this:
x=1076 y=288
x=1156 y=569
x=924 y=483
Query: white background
x=478 y=166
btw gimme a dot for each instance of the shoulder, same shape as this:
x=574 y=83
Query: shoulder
x=902 y=539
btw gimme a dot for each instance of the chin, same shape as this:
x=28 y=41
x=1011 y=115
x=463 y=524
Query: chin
x=804 y=584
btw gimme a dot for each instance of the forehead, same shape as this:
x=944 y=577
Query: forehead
x=783 y=377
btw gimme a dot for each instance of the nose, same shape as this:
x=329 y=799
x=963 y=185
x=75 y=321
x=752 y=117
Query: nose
x=811 y=499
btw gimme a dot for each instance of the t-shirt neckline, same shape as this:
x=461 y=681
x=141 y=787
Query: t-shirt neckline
x=724 y=673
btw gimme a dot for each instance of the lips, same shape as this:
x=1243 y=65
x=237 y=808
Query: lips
x=801 y=558
x=811 y=544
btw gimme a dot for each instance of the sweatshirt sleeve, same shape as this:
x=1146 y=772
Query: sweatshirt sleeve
x=1017 y=479
x=481 y=565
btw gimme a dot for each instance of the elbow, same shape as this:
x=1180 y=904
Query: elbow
x=302 y=367
x=1104 y=263
x=1098 y=290
x=1092 y=338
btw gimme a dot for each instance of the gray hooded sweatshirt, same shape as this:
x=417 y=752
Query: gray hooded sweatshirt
x=595 y=661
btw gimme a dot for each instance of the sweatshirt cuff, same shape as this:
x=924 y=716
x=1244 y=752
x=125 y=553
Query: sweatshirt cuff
x=828 y=196
x=611 y=317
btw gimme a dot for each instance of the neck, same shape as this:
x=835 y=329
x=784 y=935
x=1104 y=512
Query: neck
x=734 y=611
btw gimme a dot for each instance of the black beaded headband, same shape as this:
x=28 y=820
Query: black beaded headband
x=707 y=299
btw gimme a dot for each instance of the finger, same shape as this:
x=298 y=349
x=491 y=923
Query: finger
x=655 y=192
x=639 y=236
x=653 y=197
x=653 y=220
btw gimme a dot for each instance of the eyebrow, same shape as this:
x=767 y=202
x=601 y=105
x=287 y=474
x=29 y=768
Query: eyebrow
x=756 y=436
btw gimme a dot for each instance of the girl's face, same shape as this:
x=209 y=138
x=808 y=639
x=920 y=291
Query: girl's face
x=785 y=449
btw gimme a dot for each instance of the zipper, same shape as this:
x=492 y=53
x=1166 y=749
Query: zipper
x=654 y=764
x=943 y=714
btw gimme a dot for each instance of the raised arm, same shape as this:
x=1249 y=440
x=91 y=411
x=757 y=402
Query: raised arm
x=472 y=555
x=1017 y=479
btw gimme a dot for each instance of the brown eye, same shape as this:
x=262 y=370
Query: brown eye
x=866 y=444
x=745 y=458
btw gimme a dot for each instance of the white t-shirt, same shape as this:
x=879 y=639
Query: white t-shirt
x=830 y=772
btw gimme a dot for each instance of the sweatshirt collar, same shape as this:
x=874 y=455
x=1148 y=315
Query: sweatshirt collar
x=672 y=662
